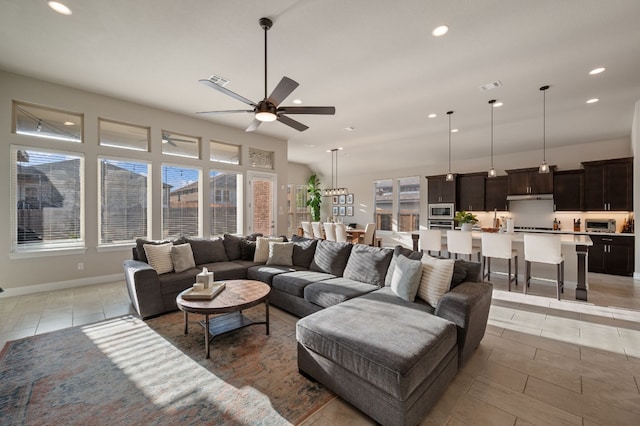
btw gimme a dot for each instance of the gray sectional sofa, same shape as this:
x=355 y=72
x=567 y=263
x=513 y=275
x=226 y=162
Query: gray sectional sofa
x=389 y=357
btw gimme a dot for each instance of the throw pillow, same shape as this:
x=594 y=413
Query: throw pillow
x=247 y=249
x=232 y=246
x=208 y=251
x=182 y=257
x=435 y=280
x=280 y=254
x=397 y=251
x=159 y=256
x=330 y=257
x=303 y=251
x=406 y=278
x=368 y=264
x=262 y=248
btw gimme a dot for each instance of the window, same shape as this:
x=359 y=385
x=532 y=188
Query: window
x=126 y=136
x=180 y=145
x=298 y=210
x=383 y=204
x=225 y=199
x=180 y=201
x=48 y=123
x=224 y=152
x=260 y=158
x=124 y=201
x=409 y=204
x=47 y=189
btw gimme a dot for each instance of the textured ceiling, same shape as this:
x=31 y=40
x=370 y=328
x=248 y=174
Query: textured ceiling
x=375 y=61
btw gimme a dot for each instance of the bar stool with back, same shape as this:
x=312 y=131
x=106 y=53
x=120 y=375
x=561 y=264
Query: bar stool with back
x=544 y=249
x=461 y=242
x=431 y=240
x=498 y=246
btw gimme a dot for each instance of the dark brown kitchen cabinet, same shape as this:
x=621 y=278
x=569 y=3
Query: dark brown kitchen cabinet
x=608 y=185
x=568 y=190
x=496 y=194
x=612 y=255
x=440 y=190
x=529 y=181
x=470 y=191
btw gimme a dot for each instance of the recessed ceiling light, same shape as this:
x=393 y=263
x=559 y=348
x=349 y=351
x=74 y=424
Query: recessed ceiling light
x=59 y=7
x=593 y=100
x=349 y=129
x=597 y=70
x=297 y=101
x=440 y=31
x=309 y=145
x=454 y=130
x=497 y=104
x=69 y=123
x=432 y=115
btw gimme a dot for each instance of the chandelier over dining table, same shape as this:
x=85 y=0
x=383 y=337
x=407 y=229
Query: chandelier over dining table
x=334 y=190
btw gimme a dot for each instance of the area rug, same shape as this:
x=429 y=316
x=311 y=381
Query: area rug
x=128 y=371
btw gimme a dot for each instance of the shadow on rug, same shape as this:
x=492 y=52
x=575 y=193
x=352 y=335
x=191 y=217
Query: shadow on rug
x=128 y=371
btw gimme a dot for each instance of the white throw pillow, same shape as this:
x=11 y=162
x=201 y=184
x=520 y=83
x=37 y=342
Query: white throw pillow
x=406 y=278
x=436 y=279
x=280 y=254
x=262 y=248
x=159 y=256
x=182 y=257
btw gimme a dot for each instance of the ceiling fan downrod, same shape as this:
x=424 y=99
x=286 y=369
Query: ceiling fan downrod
x=266 y=24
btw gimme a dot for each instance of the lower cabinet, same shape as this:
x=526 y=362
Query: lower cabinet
x=612 y=255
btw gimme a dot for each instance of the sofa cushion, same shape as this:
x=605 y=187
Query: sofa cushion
x=265 y=273
x=159 y=257
x=303 y=251
x=368 y=264
x=280 y=254
x=337 y=290
x=247 y=249
x=394 y=347
x=436 y=279
x=397 y=251
x=177 y=281
x=262 y=248
x=182 y=257
x=406 y=277
x=232 y=246
x=330 y=257
x=295 y=282
x=208 y=251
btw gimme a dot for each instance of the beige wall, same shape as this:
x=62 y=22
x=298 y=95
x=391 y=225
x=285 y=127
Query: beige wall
x=20 y=275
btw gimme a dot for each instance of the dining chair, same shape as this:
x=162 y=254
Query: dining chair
x=341 y=232
x=461 y=242
x=306 y=230
x=317 y=230
x=544 y=249
x=369 y=233
x=431 y=240
x=498 y=246
x=330 y=231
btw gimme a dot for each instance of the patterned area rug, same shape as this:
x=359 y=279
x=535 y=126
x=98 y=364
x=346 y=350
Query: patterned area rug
x=128 y=371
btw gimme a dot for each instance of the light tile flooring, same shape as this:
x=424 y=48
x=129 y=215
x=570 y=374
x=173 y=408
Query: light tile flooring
x=542 y=361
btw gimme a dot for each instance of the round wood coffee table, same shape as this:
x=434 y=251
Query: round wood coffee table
x=236 y=296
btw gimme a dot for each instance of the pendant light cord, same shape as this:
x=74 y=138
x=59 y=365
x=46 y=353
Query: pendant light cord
x=449 y=114
x=491 y=102
x=544 y=123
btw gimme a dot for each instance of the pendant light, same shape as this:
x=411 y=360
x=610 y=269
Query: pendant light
x=492 y=171
x=449 y=177
x=544 y=168
x=334 y=190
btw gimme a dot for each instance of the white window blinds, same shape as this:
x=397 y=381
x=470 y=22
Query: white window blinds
x=225 y=194
x=180 y=201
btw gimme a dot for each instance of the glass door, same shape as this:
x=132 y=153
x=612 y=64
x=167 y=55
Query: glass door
x=262 y=201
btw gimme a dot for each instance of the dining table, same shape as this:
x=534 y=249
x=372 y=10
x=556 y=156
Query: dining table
x=356 y=235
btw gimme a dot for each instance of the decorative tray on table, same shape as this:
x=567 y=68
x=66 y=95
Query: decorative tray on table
x=205 y=294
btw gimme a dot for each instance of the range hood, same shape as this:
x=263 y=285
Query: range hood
x=530 y=197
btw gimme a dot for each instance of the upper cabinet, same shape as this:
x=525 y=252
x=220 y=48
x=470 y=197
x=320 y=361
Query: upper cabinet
x=496 y=193
x=568 y=190
x=608 y=185
x=440 y=190
x=529 y=181
x=471 y=191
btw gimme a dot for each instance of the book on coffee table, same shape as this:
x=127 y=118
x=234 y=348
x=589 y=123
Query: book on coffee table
x=205 y=294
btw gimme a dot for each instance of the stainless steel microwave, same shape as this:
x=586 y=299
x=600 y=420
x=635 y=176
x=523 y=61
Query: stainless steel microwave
x=442 y=211
x=600 y=225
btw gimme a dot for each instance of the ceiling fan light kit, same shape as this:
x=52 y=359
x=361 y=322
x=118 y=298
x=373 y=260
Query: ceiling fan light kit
x=269 y=108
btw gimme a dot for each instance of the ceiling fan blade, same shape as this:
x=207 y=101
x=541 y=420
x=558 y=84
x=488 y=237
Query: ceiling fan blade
x=292 y=123
x=226 y=92
x=282 y=90
x=253 y=126
x=229 y=111
x=326 y=110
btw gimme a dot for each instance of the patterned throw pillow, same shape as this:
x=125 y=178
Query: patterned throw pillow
x=436 y=279
x=159 y=256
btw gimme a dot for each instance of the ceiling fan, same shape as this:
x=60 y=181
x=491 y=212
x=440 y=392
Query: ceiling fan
x=268 y=109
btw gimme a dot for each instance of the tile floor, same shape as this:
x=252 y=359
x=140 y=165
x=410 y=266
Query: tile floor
x=542 y=361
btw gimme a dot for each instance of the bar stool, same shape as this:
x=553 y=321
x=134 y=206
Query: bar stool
x=498 y=246
x=317 y=230
x=330 y=231
x=306 y=230
x=341 y=232
x=461 y=242
x=544 y=249
x=431 y=240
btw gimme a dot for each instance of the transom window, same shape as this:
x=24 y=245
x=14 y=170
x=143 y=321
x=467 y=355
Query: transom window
x=45 y=122
x=121 y=135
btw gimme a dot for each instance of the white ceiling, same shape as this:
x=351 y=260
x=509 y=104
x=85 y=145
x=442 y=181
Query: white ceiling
x=375 y=61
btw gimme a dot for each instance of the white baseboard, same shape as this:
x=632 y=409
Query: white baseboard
x=39 y=288
x=636 y=275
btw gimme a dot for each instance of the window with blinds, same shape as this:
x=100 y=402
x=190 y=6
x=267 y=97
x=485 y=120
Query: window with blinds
x=383 y=196
x=124 y=188
x=409 y=204
x=180 y=201
x=224 y=198
x=48 y=195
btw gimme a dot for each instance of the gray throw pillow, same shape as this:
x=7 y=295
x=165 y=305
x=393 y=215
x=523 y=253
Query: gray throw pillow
x=406 y=278
x=368 y=264
x=247 y=249
x=280 y=254
x=397 y=251
x=208 y=251
x=303 y=251
x=182 y=257
x=331 y=257
x=232 y=246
